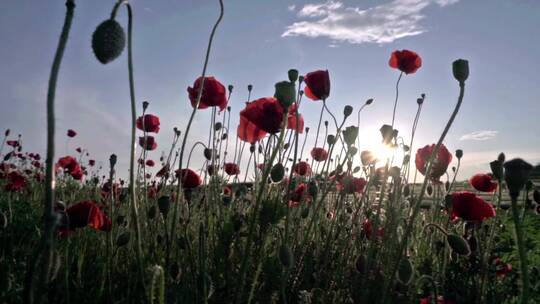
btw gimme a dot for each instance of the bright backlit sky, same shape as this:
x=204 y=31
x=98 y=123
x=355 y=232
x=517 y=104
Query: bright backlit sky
x=257 y=42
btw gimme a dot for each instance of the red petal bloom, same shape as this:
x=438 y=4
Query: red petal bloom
x=470 y=207
x=406 y=61
x=297 y=195
x=87 y=213
x=213 y=94
x=227 y=191
x=260 y=166
x=292 y=124
x=319 y=154
x=317 y=85
x=71 y=133
x=259 y=117
x=163 y=172
x=150 y=143
x=353 y=184
x=302 y=168
x=13 y=143
x=16 y=181
x=231 y=169
x=440 y=164
x=368 y=229
x=68 y=163
x=150 y=163
x=151 y=123
x=190 y=179
x=440 y=300
x=502 y=268
x=483 y=182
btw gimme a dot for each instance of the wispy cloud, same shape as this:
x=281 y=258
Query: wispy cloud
x=378 y=24
x=291 y=7
x=479 y=135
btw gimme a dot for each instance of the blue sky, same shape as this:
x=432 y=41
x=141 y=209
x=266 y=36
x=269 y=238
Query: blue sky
x=257 y=42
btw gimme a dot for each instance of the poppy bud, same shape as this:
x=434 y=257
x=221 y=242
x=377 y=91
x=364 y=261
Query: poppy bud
x=387 y=133
x=112 y=160
x=429 y=190
x=496 y=169
x=286 y=93
x=419 y=101
x=326 y=123
x=164 y=203
x=145 y=105
x=6 y=133
x=224 y=136
x=501 y=157
x=207 y=153
x=286 y=256
x=230 y=88
x=517 y=173
x=252 y=149
x=458 y=244
x=369 y=101
x=347 y=111
x=293 y=75
x=406 y=148
x=313 y=189
x=123 y=239
x=286 y=146
x=250 y=87
x=460 y=68
x=361 y=264
x=218 y=126
x=300 y=80
x=277 y=172
x=459 y=153
x=405 y=271
x=330 y=139
x=350 y=134
x=305 y=212
x=352 y=151
x=108 y=41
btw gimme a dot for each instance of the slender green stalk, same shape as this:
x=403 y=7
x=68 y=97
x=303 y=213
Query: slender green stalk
x=521 y=250
x=416 y=209
x=49 y=218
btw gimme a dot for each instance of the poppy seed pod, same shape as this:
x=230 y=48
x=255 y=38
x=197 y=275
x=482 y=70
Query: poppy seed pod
x=460 y=68
x=277 y=172
x=207 y=153
x=108 y=41
x=330 y=139
x=293 y=75
x=230 y=88
x=458 y=244
x=347 y=111
x=387 y=133
x=285 y=92
x=350 y=134
x=369 y=101
x=217 y=126
x=517 y=173
x=459 y=153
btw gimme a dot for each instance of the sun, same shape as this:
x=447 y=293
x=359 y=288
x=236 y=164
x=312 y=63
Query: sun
x=371 y=140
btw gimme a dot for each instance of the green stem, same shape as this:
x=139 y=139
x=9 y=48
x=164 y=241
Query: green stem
x=521 y=250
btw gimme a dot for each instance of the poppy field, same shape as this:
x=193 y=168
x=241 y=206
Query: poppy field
x=265 y=217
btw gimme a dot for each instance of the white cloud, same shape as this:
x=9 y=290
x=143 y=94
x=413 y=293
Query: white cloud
x=291 y=8
x=479 y=135
x=378 y=24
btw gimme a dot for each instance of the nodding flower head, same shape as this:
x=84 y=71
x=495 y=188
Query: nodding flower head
x=108 y=41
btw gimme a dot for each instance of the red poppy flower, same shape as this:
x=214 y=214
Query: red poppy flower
x=317 y=85
x=440 y=300
x=71 y=133
x=16 y=182
x=87 y=213
x=368 y=229
x=213 y=94
x=260 y=166
x=190 y=179
x=107 y=188
x=150 y=143
x=164 y=171
x=259 y=117
x=440 y=163
x=227 y=191
x=292 y=124
x=470 y=207
x=406 y=61
x=298 y=195
x=71 y=167
x=351 y=184
x=13 y=143
x=319 y=154
x=231 y=169
x=150 y=163
x=91 y=162
x=302 y=168
x=502 y=268
x=151 y=123
x=483 y=182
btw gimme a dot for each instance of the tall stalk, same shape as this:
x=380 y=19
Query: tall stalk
x=49 y=218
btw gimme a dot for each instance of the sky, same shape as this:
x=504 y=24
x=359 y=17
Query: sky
x=256 y=43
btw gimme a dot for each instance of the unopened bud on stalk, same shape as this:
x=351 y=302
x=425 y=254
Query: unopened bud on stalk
x=460 y=68
x=458 y=244
x=108 y=41
x=350 y=134
x=6 y=133
x=330 y=139
x=501 y=157
x=405 y=271
x=369 y=101
x=217 y=126
x=250 y=87
x=293 y=75
x=230 y=88
x=419 y=101
x=347 y=111
x=300 y=80
x=145 y=105
x=277 y=172
x=164 y=203
x=326 y=123
x=207 y=153
x=285 y=93
x=516 y=174
x=112 y=160
x=459 y=153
